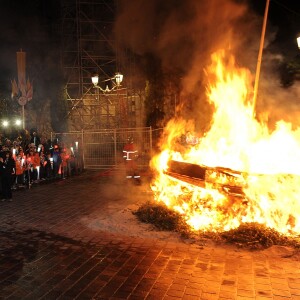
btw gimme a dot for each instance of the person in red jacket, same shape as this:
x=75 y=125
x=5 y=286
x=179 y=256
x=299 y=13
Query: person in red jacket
x=20 y=168
x=130 y=155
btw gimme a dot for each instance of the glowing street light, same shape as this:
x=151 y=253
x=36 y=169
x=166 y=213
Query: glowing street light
x=118 y=78
x=95 y=79
x=6 y=123
x=18 y=122
x=298 y=41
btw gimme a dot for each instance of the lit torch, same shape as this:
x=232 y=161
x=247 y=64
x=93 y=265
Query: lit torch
x=38 y=172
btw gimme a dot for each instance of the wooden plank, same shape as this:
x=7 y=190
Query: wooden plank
x=187 y=169
x=196 y=175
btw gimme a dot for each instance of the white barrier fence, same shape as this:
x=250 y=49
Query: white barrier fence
x=103 y=149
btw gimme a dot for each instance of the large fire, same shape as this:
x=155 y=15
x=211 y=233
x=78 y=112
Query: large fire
x=239 y=153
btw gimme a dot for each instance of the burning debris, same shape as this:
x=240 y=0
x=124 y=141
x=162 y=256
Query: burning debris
x=239 y=171
x=222 y=179
x=257 y=236
x=162 y=218
x=252 y=236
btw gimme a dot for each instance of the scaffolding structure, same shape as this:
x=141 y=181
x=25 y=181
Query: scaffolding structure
x=89 y=47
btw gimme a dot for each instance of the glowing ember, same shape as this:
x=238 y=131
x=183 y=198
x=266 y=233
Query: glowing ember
x=266 y=164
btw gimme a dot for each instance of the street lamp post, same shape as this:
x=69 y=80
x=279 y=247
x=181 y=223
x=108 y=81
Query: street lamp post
x=117 y=80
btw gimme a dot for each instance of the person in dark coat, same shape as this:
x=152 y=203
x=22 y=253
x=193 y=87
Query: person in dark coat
x=7 y=171
x=35 y=139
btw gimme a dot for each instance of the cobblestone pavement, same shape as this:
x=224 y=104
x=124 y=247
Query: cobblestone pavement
x=47 y=252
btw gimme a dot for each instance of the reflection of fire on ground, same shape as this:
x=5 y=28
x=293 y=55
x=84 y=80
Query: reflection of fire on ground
x=239 y=171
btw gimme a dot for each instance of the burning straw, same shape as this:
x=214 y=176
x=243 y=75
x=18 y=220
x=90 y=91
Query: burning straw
x=163 y=218
x=252 y=236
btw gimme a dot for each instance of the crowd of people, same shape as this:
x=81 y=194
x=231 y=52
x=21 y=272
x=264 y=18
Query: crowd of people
x=25 y=161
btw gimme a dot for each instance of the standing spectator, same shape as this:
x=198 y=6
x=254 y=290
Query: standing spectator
x=36 y=166
x=25 y=139
x=65 y=164
x=48 y=147
x=72 y=162
x=35 y=139
x=56 y=161
x=30 y=159
x=48 y=165
x=43 y=163
x=7 y=170
x=20 y=168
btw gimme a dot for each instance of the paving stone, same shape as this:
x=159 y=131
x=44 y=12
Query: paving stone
x=47 y=252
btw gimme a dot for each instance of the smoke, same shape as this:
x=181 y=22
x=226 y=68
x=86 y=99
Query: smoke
x=184 y=34
x=275 y=102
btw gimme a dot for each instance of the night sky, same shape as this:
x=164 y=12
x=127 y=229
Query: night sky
x=31 y=26
x=284 y=16
x=34 y=27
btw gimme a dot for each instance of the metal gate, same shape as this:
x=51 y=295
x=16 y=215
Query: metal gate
x=103 y=149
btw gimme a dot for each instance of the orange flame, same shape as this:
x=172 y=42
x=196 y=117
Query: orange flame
x=266 y=164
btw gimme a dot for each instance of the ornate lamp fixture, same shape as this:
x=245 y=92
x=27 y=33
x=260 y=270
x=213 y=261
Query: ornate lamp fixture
x=117 y=80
